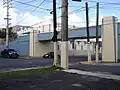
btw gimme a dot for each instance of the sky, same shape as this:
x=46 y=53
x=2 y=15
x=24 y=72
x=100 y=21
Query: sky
x=42 y=14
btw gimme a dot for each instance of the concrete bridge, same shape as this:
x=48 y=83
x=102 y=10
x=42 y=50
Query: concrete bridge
x=36 y=45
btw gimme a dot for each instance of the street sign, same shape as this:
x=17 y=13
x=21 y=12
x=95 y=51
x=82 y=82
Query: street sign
x=77 y=0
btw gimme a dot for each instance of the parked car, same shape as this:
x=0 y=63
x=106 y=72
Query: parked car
x=50 y=55
x=9 y=53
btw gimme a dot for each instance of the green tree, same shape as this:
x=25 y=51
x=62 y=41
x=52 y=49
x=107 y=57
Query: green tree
x=12 y=35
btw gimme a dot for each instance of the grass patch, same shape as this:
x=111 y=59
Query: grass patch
x=25 y=73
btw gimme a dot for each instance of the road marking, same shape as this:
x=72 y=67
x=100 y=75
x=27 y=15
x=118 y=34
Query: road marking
x=101 y=75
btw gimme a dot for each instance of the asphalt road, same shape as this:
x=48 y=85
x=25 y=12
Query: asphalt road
x=8 y=64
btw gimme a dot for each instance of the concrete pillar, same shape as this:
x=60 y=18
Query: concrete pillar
x=97 y=53
x=109 y=40
x=38 y=48
x=64 y=54
x=89 y=52
x=55 y=53
x=33 y=41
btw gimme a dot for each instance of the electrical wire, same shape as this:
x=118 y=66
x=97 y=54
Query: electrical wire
x=27 y=10
x=105 y=3
x=31 y=12
x=78 y=10
x=31 y=5
x=58 y=17
x=30 y=1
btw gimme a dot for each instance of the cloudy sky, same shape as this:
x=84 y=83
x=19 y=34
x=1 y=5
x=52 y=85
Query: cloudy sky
x=21 y=11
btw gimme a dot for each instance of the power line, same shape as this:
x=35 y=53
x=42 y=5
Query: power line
x=27 y=10
x=115 y=3
x=75 y=11
x=57 y=7
x=31 y=5
x=57 y=17
x=31 y=12
x=30 y=1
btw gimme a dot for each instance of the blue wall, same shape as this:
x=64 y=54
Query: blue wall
x=119 y=41
x=79 y=32
x=21 y=45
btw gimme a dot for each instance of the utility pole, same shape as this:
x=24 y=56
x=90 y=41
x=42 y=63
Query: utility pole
x=97 y=33
x=87 y=26
x=7 y=4
x=55 y=34
x=64 y=34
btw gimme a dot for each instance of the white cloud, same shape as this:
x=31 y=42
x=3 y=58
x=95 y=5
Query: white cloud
x=16 y=17
x=74 y=19
x=29 y=20
x=2 y=14
x=93 y=21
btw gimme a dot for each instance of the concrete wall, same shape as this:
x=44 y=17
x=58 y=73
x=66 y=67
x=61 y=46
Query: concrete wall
x=75 y=51
x=119 y=47
x=109 y=43
x=43 y=47
x=79 y=52
x=37 y=48
x=21 y=45
x=119 y=41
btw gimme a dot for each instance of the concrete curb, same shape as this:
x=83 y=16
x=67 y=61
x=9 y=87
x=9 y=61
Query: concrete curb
x=94 y=74
x=99 y=63
x=91 y=63
x=12 y=70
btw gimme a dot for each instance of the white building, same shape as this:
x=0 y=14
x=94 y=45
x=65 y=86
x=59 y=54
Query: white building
x=20 y=30
x=41 y=28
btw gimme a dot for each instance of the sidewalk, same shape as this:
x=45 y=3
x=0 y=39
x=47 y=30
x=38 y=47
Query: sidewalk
x=112 y=68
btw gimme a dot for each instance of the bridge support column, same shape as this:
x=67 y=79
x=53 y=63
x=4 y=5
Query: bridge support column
x=33 y=39
x=110 y=39
x=38 y=48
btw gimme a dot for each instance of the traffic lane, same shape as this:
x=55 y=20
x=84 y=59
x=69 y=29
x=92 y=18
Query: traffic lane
x=6 y=64
x=22 y=61
x=4 y=61
x=97 y=68
x=28 y=64
x=10 y=64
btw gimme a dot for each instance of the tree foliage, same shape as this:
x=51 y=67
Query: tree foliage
x=12 y=35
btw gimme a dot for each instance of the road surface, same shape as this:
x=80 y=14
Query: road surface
x=9 y=64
